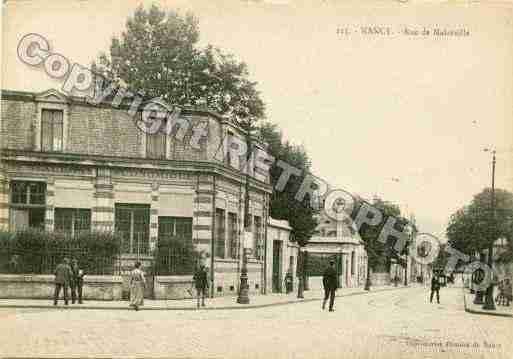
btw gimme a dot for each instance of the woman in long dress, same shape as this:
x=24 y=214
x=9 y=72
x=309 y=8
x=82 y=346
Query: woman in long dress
x=137 y=284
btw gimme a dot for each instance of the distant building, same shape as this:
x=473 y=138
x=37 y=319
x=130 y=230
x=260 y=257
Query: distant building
x=339 y=240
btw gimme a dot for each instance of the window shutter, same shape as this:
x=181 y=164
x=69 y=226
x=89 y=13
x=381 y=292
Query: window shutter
x=57 y=130
x=46 y=130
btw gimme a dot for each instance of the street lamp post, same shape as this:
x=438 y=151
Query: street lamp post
x=489 y=303
x=243 y=296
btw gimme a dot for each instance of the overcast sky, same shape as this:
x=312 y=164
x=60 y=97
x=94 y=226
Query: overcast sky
x=403 y=117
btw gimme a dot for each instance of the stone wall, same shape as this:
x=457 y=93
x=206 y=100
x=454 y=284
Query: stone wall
x=174 y=287
x=27 y=286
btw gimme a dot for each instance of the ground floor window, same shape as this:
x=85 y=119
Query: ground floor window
x=27 y=200
x=257 y=238
x=233 y=235
x=72 y=221
x=220 y=250
x=27 y=217
x=132 y=223
x=175 y=227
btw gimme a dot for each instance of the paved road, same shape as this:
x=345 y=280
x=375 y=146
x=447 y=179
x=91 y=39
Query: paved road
x=394 y=324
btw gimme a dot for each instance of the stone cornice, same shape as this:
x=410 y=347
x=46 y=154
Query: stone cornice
x=84 y=164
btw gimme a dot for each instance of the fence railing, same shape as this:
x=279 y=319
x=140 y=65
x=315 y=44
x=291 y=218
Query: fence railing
x=175 y=256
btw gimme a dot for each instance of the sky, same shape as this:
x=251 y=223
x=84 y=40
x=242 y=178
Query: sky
x=403 y=117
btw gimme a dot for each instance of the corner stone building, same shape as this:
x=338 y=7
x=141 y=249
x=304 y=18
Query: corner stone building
x=69 y=166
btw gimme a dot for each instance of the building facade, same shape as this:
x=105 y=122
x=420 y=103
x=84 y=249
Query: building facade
x=70 y=166
x=284 y=255
x=339 y=239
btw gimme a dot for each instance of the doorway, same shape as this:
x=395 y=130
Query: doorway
x=277 y=277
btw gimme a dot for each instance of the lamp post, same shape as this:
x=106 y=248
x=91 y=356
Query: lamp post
x=489 y=303
x=243 y=296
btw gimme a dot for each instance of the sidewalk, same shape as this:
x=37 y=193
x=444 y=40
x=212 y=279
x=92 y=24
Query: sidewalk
x=470 y=307
x=229 y=302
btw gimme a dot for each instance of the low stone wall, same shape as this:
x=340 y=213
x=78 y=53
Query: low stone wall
x=174 y=287
x=37 y=286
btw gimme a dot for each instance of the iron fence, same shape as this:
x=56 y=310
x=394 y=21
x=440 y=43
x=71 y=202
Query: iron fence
x=175 y=256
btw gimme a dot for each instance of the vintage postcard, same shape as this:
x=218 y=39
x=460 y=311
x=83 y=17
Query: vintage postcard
x=256 y=179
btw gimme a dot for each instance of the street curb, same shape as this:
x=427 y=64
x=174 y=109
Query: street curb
x=473 y=311
x=191 y=308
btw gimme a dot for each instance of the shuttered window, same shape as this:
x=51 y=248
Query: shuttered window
x=51 y=130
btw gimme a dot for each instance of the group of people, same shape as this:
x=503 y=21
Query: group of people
x=72 y=276
x=68 y=276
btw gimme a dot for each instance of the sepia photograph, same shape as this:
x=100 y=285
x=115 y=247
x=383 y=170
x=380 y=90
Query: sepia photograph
x=316 y=179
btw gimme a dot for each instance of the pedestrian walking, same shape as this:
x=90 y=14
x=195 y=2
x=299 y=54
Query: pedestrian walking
x=435 y=288
x=329 y=281
x=62 y=280
x=200 y=279
x=77 y=282
x=137 y=285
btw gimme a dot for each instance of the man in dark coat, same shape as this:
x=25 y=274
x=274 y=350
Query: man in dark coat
x=62 y=280
x=201 y=283
x=435 y=288
x=329 y=281
x=77 y=282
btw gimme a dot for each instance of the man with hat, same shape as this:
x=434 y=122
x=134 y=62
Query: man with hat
x=77 y=282
x=329 y=281
x=62 y=280
x=201 y=283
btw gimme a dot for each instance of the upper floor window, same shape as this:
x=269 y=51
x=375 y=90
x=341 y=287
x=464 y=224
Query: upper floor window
x=156 y=138
x=51 y=130
x=156 y=145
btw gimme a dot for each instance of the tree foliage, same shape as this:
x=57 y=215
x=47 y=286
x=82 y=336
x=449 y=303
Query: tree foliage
x=475 y=226
x=380 y=254
x=283 y=203
x=158 y=53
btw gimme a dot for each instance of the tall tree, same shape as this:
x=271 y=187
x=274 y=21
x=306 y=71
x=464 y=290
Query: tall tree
x=158 y=53
x=474 y=226
x=380 y=254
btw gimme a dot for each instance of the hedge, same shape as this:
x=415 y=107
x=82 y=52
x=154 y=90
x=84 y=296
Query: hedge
x=34 y=251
